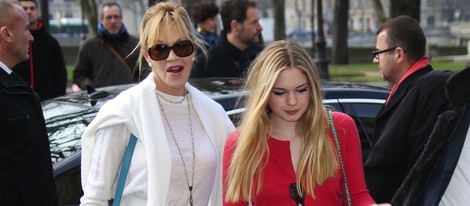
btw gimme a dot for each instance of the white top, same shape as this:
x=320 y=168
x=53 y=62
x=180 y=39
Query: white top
x=458 y=191
x=149 y=181
x=4 y=67
x=205 y=161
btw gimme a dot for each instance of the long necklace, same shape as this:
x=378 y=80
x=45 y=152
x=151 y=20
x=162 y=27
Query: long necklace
x=190 y=186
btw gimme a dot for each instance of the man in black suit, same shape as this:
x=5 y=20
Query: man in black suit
x=408 y=116
x=26 y=177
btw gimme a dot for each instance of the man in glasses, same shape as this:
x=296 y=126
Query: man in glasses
x=45 y=70
x=103 y=59
x=408 y=116
x=238 y=44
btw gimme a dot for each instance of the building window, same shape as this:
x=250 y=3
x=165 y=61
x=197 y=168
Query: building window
x=430 y=20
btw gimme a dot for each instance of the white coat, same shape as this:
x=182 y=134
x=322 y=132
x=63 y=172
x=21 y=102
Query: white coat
x=137 y=108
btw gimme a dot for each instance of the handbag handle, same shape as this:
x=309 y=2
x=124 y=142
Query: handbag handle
x=126 y=161
x=332 y=125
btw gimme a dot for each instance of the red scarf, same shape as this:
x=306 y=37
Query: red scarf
x=31 y=65
x=40 y=24
x=418 y=65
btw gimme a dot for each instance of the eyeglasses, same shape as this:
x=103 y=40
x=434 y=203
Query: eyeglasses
x=160 y=52
x=376 y=53
x=299 y=199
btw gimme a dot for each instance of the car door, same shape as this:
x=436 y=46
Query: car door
x=363 y=112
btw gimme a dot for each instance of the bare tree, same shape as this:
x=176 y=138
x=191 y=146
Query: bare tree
x=340 y=36
x=45 y=14
x=320 y=43
x=90 y=10
x=279 y=19
x=134 y=6
x=312 y=19
x=379 y=11
x=405 y=7
x=299 y=11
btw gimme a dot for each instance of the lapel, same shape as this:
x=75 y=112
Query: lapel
x=4 y=76
x=8 y=79
x=13 y=80
x=402 y=91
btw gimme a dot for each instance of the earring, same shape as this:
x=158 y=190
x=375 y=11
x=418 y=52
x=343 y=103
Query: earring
x=150 y=65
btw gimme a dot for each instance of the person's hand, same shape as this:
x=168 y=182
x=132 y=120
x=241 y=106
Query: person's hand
x=76 y=88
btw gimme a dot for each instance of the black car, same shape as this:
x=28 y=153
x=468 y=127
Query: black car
x=67 y=117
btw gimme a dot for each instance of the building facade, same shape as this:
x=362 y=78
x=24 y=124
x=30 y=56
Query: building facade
x=444 y=21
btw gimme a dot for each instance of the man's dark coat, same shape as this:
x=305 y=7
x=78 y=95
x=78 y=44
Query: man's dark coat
x=427 y=181
x=47 y=63
x=26 y=177
x=402 y=126
x=224 y=60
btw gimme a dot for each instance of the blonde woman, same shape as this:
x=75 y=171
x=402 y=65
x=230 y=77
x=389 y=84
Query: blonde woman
x=284 y=152
x=180 y=131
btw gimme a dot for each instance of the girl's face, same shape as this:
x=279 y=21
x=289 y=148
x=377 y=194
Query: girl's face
x=290 y=96
x=171 y=71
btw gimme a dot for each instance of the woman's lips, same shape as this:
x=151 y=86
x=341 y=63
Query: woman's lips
x=175 y=70
x=292 y=112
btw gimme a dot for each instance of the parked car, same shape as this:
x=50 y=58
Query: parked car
x=67 y=117
x=301 y=35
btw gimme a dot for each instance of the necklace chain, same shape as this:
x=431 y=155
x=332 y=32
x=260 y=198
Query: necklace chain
x=173 y=102
x=190 y=186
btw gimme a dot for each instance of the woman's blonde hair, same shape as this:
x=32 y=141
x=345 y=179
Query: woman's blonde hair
x=317 y=160
x=157 y=21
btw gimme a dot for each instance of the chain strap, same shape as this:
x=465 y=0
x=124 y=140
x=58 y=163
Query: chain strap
x=348 y=196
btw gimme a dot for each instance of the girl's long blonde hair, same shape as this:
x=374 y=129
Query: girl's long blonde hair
x=317 y=160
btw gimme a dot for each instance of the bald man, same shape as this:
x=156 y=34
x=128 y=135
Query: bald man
x=26 y=176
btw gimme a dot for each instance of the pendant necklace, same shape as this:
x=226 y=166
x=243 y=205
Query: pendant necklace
x=190 y=186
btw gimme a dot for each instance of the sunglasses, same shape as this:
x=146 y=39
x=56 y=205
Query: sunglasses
x=294 y=194
x=160 y=52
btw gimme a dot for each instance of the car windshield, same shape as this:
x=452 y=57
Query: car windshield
x=65 y=125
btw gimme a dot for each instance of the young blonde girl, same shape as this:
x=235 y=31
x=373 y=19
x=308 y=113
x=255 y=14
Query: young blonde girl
x=284 y=152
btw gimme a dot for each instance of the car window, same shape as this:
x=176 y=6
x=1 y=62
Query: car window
x=364 y=117
x=363 y=112
x=65 y=125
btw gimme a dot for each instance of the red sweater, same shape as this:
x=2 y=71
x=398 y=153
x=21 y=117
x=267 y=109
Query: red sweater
x=279 y=172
